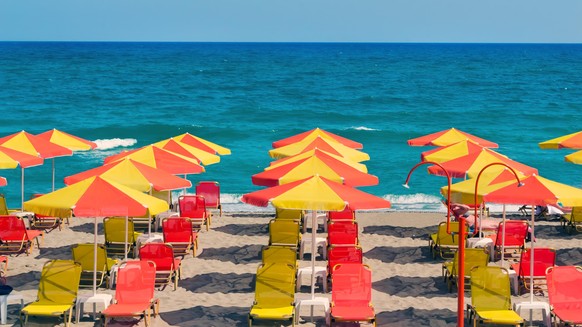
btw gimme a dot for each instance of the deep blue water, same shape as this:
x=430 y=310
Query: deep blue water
x=246 y=95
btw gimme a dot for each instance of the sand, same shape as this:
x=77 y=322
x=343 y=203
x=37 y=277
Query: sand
x=217 y=286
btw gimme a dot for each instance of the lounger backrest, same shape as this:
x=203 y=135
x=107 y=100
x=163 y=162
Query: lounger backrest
x=343 y=254
x=343 y=232
x=279 y=254
x=211 y=193
x=59 y=281
x=160 y=253
x=289 y=214
x=3 y=206
x=177 y=229
x=474 y=257
x=192 y=206
x=352 y=283
x=135 y=282
x=543 y=258
x=564 y=286
x=515 y=233
x=347 y=213
x=12 y=228
x=490 y=288
x=84 y=254
x=576 y=215
x=284 y=232
x=114 y=229
x=444 y=238
x=275 y=285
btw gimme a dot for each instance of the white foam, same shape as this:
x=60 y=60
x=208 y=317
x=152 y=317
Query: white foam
x=106 y=144
x=363 y=128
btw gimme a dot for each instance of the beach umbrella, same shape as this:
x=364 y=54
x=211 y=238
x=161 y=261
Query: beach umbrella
x=314 y=193
x=315 y=133
x=10 y=159
x=156 y=157
x=536 y=190
x=3 y=181
x=71 y=142
x=570 y=141
x=450 y=152
x=448 y=137
x=322 y=144
x=575 y=158
x=470 y=165
x=96 y=197
x=35 y=146
x=202 y=144
x=316 y=153
x=203 y=157
x=327 y=167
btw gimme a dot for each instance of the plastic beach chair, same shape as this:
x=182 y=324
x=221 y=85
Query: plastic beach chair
x=168 y=268
x=342 y=233
x=565 y=294
x=194 y=207
x=279 y=254
x=491 y=298
x=342 y=254
x=178 y=232
x=572 y=222
x=284 y=232
x=210 y=190
x=514 y=241
x=444 y=244
x=45 y=222
x=57 y=291
x=134 y=293
x=474 y=257
x=115 y=232
x=543 y=259
x=351 y=298
x=14 y=236
x=84 y=255
x=274 y=293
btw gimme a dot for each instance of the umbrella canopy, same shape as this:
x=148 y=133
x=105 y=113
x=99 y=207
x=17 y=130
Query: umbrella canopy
x=159 y=158
x=315 y=133
x=95 y=193
x=135 y=175
x=34 y=145
x=327 y=167
x=189 y=151
x=202 y=144
x=471 y=164
x=316 y=153
x=575 y=158
x=71 y=142
x=464 y=191
x=448 y=137
x=322 y=144
x=315 y=193
x=570 y=141
x=3 y=181
x=450 y=152
x=537 y=191
x=10 y=159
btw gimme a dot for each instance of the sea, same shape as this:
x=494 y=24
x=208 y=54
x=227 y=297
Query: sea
x=244 y=96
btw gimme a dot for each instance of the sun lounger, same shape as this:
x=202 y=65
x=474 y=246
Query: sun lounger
x=84 y=255
x=210 y=190
x=114 y=229
x=342 y=254
x=351 y=298
x=274 y=293
x=342 y=233
x=15 y=238
x=194 y=207
x=284 y=232
x=572 y=222
x=474 y=257
x=168 y=268
x=514 y=240
x=543 y=259
x=178 y=232
x=444 y=244
x=134 y=293
x=57 y=291
x=565 y=294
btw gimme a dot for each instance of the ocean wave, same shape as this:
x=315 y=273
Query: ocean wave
x=362 y=128
x=106 y=144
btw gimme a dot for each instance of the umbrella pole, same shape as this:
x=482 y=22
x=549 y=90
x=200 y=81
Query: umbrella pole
x=150 y=219
x=126 y=231
x=503 y=239
x=53 y=174
x=95 y=258
x=22 y=189
x=531 y=261
x=313 y=231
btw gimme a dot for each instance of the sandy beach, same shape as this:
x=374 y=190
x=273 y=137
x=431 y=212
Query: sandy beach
x=217 y=286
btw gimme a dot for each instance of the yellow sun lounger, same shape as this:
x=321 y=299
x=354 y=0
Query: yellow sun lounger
x=474 y=257
x=83 y=254
x=57 y=291
x=274 y=293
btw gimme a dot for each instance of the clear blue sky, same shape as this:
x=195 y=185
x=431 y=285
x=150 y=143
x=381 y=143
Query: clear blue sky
x=543 y=21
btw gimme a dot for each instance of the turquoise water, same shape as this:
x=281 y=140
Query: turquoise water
x=245 y=96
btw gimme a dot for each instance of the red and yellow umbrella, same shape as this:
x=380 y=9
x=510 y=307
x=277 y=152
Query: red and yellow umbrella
x=570 y=141
x=575 y=158
x=159 y=158
x=321 y=144
x=470 y=165
x=202 y=144
x=10 y=159
x=315 y=133
x=464 y=191
x=135 y=175
x=316 y=153
x=449 y=152
x=34 y=145
x=67 y=140
x=448 y=137
x=327 y=167
x=202 y=156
